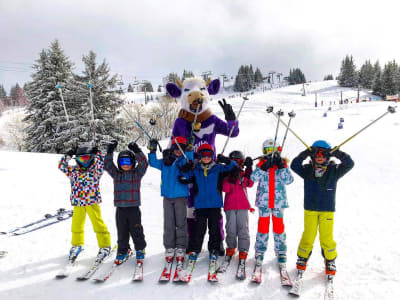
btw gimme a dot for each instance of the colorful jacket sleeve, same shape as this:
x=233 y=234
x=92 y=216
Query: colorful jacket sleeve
x=346 y=165
x=142 y=164
x=154 y=162
x=258 y=175
x=109 y=165
x=99 y=164
x=224 y=128
x=64 y=167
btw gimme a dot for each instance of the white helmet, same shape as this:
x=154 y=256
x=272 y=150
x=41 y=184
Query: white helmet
x=268 y=145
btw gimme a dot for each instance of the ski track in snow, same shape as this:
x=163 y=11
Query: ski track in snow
x=366 y=219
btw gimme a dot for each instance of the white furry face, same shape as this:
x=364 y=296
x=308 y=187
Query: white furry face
x=192 y=90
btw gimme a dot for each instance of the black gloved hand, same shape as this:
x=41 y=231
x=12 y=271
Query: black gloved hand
x=168 y=157
x=187 y=167
x=223 y=159
x=338 y=154
x=95 y=150
x=228 y=111
x=248 y=162
x=278 y=161
x=112 y=146
x=71 y=152
x=266 y=165
x=134 y=147
x=184 y=180
x=304 y=154
x=152 y=146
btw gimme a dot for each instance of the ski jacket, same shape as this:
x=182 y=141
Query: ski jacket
x=127 y=183
x=84 y=184
x=271 y=190
x=170 y=186
x=320 y=192
x=206 y=185
x=236 y=196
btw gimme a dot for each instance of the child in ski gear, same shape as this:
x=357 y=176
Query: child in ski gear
x=273 y=175
x=85 y=197
x=320 y=180
x=132 y=165
x=175 y=194
x=236 y=206
x=208 y=200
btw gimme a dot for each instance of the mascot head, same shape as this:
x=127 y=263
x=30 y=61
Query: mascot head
x=191 y=91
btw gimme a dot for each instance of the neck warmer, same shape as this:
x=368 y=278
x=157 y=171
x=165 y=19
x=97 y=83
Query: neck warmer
x=319 y=170
x=207 y=167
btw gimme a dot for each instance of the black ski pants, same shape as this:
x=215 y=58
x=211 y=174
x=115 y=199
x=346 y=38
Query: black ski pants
x=129 y=223
x=203 y=216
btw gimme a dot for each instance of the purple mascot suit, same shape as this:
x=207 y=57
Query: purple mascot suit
x=207 y=124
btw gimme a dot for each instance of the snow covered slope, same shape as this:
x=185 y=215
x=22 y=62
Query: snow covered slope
x=367 y=221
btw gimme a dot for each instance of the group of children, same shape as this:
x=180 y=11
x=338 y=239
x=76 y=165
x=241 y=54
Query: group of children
x=211 y=175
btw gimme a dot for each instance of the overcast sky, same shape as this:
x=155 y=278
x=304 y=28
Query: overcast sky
x=150 y=38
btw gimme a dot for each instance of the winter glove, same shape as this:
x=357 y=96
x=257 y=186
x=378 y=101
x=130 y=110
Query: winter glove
x=95 y=150
x=248 y=162
x=153 y=146
x=134 y=147
x=168 y=157
x=187 y=167
x=184 y=180
x=304 y=154
x=267 y=165
x=71 y=152
x=112 y=146
x=338 y=154
x=221 y=159
x=247 y=172
x=278 y=161
x=228 y=111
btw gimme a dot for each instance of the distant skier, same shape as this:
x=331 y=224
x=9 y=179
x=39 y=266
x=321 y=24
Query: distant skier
x=85 y=198
x=273 y=175
x=320 y=180
x=127 y=178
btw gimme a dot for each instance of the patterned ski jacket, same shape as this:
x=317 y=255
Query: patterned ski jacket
x=127 y=183
x=236 y=196
x=271 y=190
x=170 y=186
x=85 y=188
x=320 y=193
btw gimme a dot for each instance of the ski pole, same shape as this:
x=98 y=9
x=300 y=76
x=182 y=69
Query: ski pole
x=180 y=148
x=63 y=102
x=279 y=113
x=270 y=111
x=390 y=109
x=292 y=114
x=234 y=124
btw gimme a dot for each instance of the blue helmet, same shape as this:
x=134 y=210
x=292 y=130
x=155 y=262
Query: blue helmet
x=321 y=144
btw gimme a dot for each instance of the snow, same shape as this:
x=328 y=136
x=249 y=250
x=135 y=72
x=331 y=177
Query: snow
x=366 y=219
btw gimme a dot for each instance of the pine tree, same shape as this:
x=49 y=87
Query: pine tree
x=348 y=76
x=148 y=86
x=130 y=88
x=47 y=124
x=296 y=76
x=328 y=77
x=99 y=125
x=3 y=92
x=258 y=77
x=377 y=84
x=367 y=75
x=389 y=86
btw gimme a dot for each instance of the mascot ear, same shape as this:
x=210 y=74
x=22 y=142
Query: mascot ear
x=213 y=87
x=173 y=90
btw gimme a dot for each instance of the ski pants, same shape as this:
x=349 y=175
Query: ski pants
x=78 y=225
x=237 y=229
x=321 y=221
x=129 y=223
x=175 y=234
x=211 y=216
x=278 y=229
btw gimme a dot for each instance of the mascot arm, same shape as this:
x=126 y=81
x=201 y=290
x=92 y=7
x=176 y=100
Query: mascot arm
x=222 y=127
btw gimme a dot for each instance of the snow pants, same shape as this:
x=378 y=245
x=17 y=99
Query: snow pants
x=175 y=234
x=204 y=216
x=278 y=229
x=321 y=221
x=78 y=225
x=129 y=223
x=237 y=229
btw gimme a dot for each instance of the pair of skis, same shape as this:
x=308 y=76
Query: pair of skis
x=241 y=269
x=256 y=277
x=298 y=285
x=167 y=270
x=186 y=274
x=49 y=219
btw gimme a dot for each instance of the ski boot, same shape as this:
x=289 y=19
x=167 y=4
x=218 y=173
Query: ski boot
x=180 y=257
x=138 y=274
x=169 y=254
x=241 y=270
x=330 y=268
x=122 y=257
x=257 y=272
x=103 y=253
x=227 y=260
x=74 y=252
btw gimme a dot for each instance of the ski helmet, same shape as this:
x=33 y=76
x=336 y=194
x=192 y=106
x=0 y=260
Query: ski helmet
x=84 y=156
x=321 y=144
x=181 y=141
x=126 y=157
x=321 y=149
x=237 y=156
x=268 y=146
x=206 y=150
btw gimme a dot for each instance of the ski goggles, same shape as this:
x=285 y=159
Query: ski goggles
x=322 y=153
x=239 y=162
x=84 y=159
x=268 y=150
x=125 y=161
x=206 y=154
x=175 y=147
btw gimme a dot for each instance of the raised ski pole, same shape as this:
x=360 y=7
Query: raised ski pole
x=180 y=148
x=279 y=113
x=291 y=114
x=59 y=87
x=269 y=110
x=234 y=124
x=140 y=126
x=390 y=109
